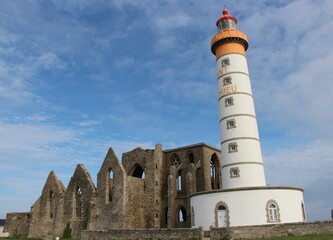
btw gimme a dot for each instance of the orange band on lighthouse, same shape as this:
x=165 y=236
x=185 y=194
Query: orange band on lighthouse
x=229 y=48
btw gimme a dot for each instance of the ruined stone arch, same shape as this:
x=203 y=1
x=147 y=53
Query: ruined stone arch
x=190 y=157
x=110 y=184
x=181 y=214
x=215 y=172
x=179 y=180
x=165 y=220
x=137 y=171
x=78 y=202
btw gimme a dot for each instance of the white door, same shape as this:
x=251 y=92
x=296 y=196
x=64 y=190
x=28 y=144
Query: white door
x=222 y=218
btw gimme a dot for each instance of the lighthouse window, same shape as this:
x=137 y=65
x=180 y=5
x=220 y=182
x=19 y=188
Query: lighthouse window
x=234 y=172
x=231 y=123
x=272 y=211
x=225 y=62
x=232 y=147
x=227 y=81
x=229 y=101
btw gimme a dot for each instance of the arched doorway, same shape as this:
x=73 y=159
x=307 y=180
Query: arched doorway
x=222 y=217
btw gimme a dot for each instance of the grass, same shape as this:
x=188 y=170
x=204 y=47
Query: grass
x=7 y=238
x=319 y=237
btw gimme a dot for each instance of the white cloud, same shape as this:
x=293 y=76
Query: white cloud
x=49 y=60
x=38 y=117
x=177 y=20
x=88 y=123
x=308 y=166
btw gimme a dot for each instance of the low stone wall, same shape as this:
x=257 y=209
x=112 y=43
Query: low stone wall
x=17 y=224
x=274 y=230
x=123 y=234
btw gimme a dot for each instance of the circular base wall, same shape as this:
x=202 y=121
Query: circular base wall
x=247 y=206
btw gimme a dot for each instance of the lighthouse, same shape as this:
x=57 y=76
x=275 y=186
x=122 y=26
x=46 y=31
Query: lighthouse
x=242 y=164
x=244 y=199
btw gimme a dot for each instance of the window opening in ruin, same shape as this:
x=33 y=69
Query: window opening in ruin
x=51 y=195
x=109 y=193
x=110 y=173
x=191 y=157
x=179 y=180
x=78 y=198
x=214 y=172
x=138 y=172
x=78 y=191
x=176 y=161
x=182 y=215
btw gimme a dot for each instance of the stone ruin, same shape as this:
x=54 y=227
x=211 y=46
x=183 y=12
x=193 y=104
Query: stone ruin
x=147 y=189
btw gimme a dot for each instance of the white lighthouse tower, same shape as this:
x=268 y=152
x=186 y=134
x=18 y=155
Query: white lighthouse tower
x=241 y=153
x=244 y=199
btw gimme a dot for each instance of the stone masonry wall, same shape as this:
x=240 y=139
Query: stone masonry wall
x=156 y=234
x=274 y=230
x=17 y=224
x=110 y=202
x=77 y=200
x=46 y=208
x=140 y=191
x=146 y=166
x=135 y=208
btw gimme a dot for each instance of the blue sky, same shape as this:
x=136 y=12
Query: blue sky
x=77 y=77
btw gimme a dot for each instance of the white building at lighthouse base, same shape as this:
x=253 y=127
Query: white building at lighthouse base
x=247 y=206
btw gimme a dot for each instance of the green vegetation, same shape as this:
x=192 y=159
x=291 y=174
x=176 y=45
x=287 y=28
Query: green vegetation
x=67 y=232
x=19 y=238
x=320 y=237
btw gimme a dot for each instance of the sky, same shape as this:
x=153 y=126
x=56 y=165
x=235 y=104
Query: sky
x=78 y=77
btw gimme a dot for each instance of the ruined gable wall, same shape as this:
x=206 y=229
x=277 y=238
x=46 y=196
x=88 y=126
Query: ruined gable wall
x=45 y=209
x=110 y=202
x=77 y=201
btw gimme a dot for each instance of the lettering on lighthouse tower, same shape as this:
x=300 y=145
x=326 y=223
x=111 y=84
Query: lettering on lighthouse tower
x=227 y=90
